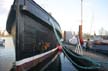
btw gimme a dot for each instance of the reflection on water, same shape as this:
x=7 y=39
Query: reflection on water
x=7 y=55
x=61 y=64
x=100 y=47
x=66 y=65
x=54 y=66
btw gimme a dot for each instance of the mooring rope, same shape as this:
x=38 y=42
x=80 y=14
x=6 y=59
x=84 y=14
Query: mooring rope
x=95 y=66
x=79 y=49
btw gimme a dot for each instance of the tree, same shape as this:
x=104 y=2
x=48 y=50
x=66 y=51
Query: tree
x=102 y=31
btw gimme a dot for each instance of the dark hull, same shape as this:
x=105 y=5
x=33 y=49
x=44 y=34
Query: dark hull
x=80 y=62
x=32 y=29
x=40 y=60
x=100 y=42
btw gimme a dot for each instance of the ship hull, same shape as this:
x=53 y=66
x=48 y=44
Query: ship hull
x=32 y=29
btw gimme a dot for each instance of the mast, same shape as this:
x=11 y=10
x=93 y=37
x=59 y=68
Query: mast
x=81 y=12
x=80 y=26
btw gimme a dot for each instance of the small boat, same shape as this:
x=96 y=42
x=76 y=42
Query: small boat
x=2 y=41
x=100 y=41
x=33 y=30
x=80 y=62
x=105 y=42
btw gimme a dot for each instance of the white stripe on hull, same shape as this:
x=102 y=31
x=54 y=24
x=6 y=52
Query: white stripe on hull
x=26 y=60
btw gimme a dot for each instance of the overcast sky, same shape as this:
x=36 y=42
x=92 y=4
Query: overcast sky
x=68 y=13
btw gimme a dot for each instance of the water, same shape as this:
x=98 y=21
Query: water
x=64 y=64
x=101 y=47
x=7 y=59
x=7 y=55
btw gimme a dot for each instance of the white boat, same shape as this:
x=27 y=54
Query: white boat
x=73 y=40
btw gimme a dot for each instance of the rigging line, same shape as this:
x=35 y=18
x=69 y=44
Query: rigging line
x=92 y=19
x=79 y=49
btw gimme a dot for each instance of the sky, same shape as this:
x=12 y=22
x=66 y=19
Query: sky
x=68 y=13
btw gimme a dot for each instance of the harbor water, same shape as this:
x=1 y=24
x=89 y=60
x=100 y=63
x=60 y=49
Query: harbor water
x=7 y=55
